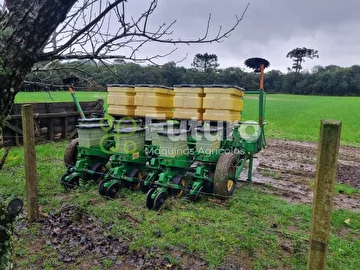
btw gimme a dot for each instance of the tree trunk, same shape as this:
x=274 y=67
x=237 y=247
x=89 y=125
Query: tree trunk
x=24 y=31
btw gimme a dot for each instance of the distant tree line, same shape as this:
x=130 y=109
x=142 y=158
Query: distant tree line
x=328 y=80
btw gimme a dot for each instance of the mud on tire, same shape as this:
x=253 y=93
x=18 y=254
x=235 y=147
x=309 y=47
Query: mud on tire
x=224 y=177
x=71 y=152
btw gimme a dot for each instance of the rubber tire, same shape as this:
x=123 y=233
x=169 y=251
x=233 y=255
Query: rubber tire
x=225 y=166
x=135 y=184
x=71 y=151
x=178 y=180
x=159 y=200
x=102 y=189
x=62 y=182
x=149 y=201
x=112 y=190
x=100 y=170
x=72 y=184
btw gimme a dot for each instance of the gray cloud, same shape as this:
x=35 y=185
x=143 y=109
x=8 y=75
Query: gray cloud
x=270 y=29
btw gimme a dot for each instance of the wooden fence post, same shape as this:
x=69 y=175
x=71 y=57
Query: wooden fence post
x=30 y=161
x=328 y=150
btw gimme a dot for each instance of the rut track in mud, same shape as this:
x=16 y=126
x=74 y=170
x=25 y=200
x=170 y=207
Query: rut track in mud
x=290 y=166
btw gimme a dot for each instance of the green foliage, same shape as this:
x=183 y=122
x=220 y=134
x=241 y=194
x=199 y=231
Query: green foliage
x=271 y=173
x=328 y=81
x=5 y=238
x=2 y=70
x=298 y=55
x=346 y=189
x=205 y=62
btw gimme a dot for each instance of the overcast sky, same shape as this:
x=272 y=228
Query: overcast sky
x=270 y=29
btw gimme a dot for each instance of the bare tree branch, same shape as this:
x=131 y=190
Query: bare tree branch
x=83 y=30
x=98 y=40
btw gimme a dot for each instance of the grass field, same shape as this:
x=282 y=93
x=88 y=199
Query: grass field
x=298 y=117
x=253 y=229
x=289 y=117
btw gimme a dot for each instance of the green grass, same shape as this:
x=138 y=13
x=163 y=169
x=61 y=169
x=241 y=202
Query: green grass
x=252 y=229
x=289 y=117
x=298 y=118
x=58 y=96
x=251 y=224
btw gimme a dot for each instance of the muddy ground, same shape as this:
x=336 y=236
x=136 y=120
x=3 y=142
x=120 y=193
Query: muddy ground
x=80 y=243
x=287 y=169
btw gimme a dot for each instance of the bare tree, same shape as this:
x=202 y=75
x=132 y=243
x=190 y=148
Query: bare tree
x=48 y=30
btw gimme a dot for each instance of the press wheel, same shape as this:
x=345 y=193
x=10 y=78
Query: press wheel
x=102 y=188
x=71 y=184
x=99 y=172
x=137 y=178
x=159 y=200
x=179 y=180
x=224 y=177
x=112 y=190
x=149 y=200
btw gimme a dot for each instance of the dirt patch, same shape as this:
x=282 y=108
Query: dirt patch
x=79 y=241
x=294 y=165
x=238 y=261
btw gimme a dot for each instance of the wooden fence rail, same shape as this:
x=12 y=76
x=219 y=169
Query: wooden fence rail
x=52 y=120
